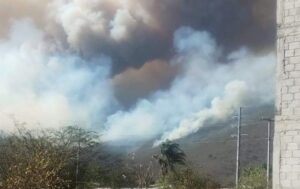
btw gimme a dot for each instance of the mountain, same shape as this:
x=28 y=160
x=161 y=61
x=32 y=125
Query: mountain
x=212 y=150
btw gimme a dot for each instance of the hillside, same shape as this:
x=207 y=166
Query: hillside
x=212 y=150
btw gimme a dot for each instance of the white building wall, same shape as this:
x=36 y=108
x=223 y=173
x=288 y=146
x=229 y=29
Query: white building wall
x=286 y=156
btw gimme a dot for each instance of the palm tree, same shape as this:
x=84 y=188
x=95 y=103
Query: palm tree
x=171 y=154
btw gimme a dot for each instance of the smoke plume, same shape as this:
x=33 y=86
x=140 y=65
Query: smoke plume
x=133 y=32
x=134 y=69
x=205 y=90
x=134 y=84
x=45 y=87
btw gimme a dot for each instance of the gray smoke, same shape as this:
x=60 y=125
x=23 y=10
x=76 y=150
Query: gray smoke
x=46 y=87
x=205 y=90
x=133 y=32
x=129 y=68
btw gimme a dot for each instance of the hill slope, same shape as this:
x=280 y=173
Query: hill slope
x=212 y=150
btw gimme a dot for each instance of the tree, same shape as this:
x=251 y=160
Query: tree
x=73 y=136
x=80 y=143
x=144 y=174
x=31 y=160
x=45 y=159
x=171 y=154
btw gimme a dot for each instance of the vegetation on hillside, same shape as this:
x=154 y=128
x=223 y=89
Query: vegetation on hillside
x=176 y=174
x=170 y=156
x=74 y=157
x=58 y=159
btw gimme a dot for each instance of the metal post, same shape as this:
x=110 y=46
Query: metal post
x=238 y=145
x=77 y=158
x=268 y=150
x=268 y=156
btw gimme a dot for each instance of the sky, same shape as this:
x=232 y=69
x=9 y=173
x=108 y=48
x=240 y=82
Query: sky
x=134 y=69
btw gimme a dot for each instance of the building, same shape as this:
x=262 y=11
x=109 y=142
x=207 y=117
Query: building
x=286 y=155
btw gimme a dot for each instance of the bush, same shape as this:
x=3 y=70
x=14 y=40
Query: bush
x=187 y=179
x=253 y=178
x=43 y=159
x=29 y=161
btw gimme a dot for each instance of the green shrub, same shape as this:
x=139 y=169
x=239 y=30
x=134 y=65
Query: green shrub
x=187 y=179
x=253 y=178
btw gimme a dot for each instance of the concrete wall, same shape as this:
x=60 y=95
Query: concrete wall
x=286 y=157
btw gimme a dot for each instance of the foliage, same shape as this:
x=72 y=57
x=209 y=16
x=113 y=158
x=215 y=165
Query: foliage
x=144 y=174
x=253 y=178
x=107 y=169
x=187 y=179
x=45 y=159
x=72 y=136
x=171 y=154
x=117 y=176
x=80 y=143
x=48 y=159
x=32 y=161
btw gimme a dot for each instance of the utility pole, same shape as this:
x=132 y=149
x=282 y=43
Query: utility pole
x=238 y=146
x=268 y=150
x=77 y=157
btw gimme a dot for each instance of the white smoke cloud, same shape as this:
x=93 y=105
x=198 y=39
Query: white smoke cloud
x=45 y=87
x=82 y=20
x=120 y=25
x=46 y=84
x=206 y=90
x=78 y=21
x=221 y=107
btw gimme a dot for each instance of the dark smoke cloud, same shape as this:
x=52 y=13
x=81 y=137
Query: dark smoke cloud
x=233 y=23
x=205 y=91
x=20 y=9
x=135 y=84
x=125 y=49
x=151 y=24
